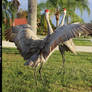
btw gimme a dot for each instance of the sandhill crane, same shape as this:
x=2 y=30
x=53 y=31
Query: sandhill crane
x=50 y=30
x=36 y=51
x=67 y=45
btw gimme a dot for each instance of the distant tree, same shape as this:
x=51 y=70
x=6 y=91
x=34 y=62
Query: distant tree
x=9 y=9
x=22 y=14
x=56 y=7
x=91 y=21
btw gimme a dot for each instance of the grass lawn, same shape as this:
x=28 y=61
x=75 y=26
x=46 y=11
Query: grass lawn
x=82 y=42
x=76 y=76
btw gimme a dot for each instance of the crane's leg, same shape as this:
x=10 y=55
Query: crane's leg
x=35 y=76
x=62 y=51
x=41 y=65
x=40 y=69
x=63 y=58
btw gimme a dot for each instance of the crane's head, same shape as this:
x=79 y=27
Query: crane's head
x=47 y=13
x=64 y=11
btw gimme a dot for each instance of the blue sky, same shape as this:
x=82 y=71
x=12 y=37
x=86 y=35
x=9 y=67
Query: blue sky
x=85 y=16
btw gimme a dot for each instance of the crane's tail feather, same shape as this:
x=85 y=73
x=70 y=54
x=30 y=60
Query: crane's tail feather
x=71 y=46
x=9 y=35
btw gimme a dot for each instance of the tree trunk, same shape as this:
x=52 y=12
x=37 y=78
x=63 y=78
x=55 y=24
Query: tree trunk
x=57 y=23
x=32 y=14
x=57 y=14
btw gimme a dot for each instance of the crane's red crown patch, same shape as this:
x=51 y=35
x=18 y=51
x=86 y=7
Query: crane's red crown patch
x=46 y=10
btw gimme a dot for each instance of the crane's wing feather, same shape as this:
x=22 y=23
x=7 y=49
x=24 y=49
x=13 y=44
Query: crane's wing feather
x=64 y=33
x=25 y=40
x=11 y=33
x=31 y=47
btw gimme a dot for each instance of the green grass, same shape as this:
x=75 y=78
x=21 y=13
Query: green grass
x=75 y=77
x=82 y=42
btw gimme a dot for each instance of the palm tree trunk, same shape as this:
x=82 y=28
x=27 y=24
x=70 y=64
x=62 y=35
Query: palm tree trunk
x=32 y=14
x=57 y=14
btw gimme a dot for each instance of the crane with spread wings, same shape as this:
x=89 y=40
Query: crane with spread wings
x=35 y=50
x=67 y=45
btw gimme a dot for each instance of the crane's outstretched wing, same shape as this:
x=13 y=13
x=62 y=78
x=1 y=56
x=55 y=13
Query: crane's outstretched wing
x=31 y=48
x=12 y=32
x=64 y=33
x=25 y=40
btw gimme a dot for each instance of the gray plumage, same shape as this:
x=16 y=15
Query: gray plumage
x=67 y=45
x=35 y=50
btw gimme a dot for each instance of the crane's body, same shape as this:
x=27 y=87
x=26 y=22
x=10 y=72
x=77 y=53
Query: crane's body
x=67 y=45
x=35 y=50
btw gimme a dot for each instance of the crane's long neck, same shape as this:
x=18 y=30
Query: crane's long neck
x=50 y=30
x=62 y=21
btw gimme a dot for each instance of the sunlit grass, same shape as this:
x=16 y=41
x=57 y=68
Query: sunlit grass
x=76 y=76
x=82 y=42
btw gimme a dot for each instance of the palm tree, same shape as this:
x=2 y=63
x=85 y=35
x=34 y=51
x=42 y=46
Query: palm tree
x=22 y=13
x=9 y=9
x=56 y=7
x=32 y=14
